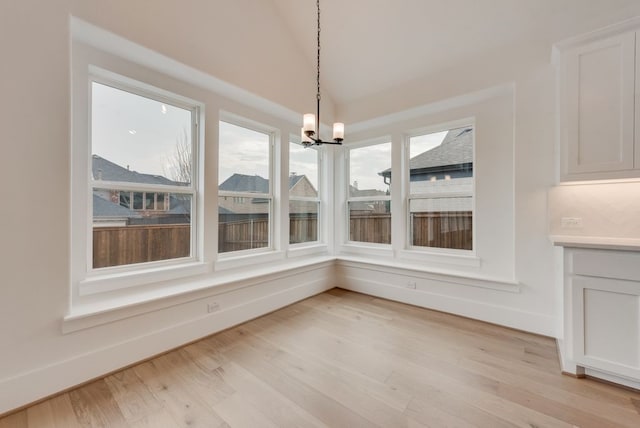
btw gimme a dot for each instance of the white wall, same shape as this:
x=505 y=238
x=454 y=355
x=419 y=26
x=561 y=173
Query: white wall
x=514 y=167
x=219 y=37
x=36 y=358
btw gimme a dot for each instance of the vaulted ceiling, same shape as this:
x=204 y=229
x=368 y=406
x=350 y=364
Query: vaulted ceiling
x=372 y=46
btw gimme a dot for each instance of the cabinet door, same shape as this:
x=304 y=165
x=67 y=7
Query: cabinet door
x=600 y=106
x=606 y=325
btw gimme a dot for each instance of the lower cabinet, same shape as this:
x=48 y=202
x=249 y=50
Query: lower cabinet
x=604 y=293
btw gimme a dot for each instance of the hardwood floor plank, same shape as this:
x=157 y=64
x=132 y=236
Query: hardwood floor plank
x=281 y=336
x=323 y=407
x=16 y=420
x=184 y=406
x=280 y=410
x=95 y=406
x=238 y=413
x=133 y=396
x=57 y=412
x=343 y=359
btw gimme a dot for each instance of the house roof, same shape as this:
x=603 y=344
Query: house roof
x=103 y=208
x=455 y=149
x=294 y=179
x=253 y=183
x=106 y=170
x=245 y=183
x=354 y=191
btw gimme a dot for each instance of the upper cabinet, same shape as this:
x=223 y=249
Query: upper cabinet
x=599 y=107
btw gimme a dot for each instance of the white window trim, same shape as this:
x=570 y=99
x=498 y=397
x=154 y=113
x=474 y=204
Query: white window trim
x=437 y=255
x=310 y=247
x=370 y=248
x=85 y=279
x=225 y=260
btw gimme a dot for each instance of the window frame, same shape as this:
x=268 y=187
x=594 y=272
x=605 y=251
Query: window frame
x=317 y=199
x=85 y=279
x=409 y=248
x=348 y=198
x=141 y=89
x=272 y=133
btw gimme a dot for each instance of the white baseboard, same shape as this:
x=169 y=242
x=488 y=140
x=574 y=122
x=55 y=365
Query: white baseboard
x=32 y=386
x=526 y=321
x=630 y=383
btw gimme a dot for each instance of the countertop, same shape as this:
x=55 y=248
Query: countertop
x=599 y=242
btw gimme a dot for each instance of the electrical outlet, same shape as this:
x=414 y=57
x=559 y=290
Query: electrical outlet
x=571 y=222
x=213 y=307
x=411 y=284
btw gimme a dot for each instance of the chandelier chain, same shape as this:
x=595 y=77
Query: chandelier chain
x=318 y=57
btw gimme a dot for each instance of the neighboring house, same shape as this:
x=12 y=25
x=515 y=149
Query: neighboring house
x=235 y=207
x=125 y=207
x=109 y=214
x=367 y=207
x=445 y=169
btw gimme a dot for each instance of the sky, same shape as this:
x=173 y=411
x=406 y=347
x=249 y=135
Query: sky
x=131 y=130
x=141 y=133
x=421 y=143
x=366 y=162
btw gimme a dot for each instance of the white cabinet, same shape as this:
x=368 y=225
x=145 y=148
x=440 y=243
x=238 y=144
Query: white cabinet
x=603 y=291
x=600 y=108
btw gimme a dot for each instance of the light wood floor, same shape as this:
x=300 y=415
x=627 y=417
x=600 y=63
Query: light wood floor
x=343 y=359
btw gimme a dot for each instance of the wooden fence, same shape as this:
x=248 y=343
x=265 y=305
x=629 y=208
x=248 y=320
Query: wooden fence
x=243 y=235
x=370 y=228
x=114 y=246
x=451 y=229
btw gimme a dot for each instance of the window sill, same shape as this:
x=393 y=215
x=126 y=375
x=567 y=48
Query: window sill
x=467 y=259
x=364 y=249
x=124 y=279
x=246 y=258
x=301 y=250
x=443 y=275
x=131 y=303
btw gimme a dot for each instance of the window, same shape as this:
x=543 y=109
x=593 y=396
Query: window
x=142 y=160
x=304 y=199
x=441 y=187
x=245 y=194
x=369 y=194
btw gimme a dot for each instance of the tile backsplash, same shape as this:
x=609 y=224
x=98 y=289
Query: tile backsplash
x=610 y=210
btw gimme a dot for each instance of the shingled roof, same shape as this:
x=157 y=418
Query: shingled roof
x=245 y=183
x=253 y=183
x=106 y=170
x=103 y=208
x=455 y=149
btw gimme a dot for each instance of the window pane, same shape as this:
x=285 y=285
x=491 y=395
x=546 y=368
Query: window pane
x=122 y=235
x=303 y=221
x=139 y=140
x=243 y=225
x=370 y=170
x=442 y=222
x=243 y=164
x=441 y=162
x=441 y=167
x=303 y=162
x=370 y=221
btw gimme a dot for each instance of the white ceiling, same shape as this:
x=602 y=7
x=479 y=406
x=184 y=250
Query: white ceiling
x=370 y=46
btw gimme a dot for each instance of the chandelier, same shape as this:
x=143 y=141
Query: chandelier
x=311 y=123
